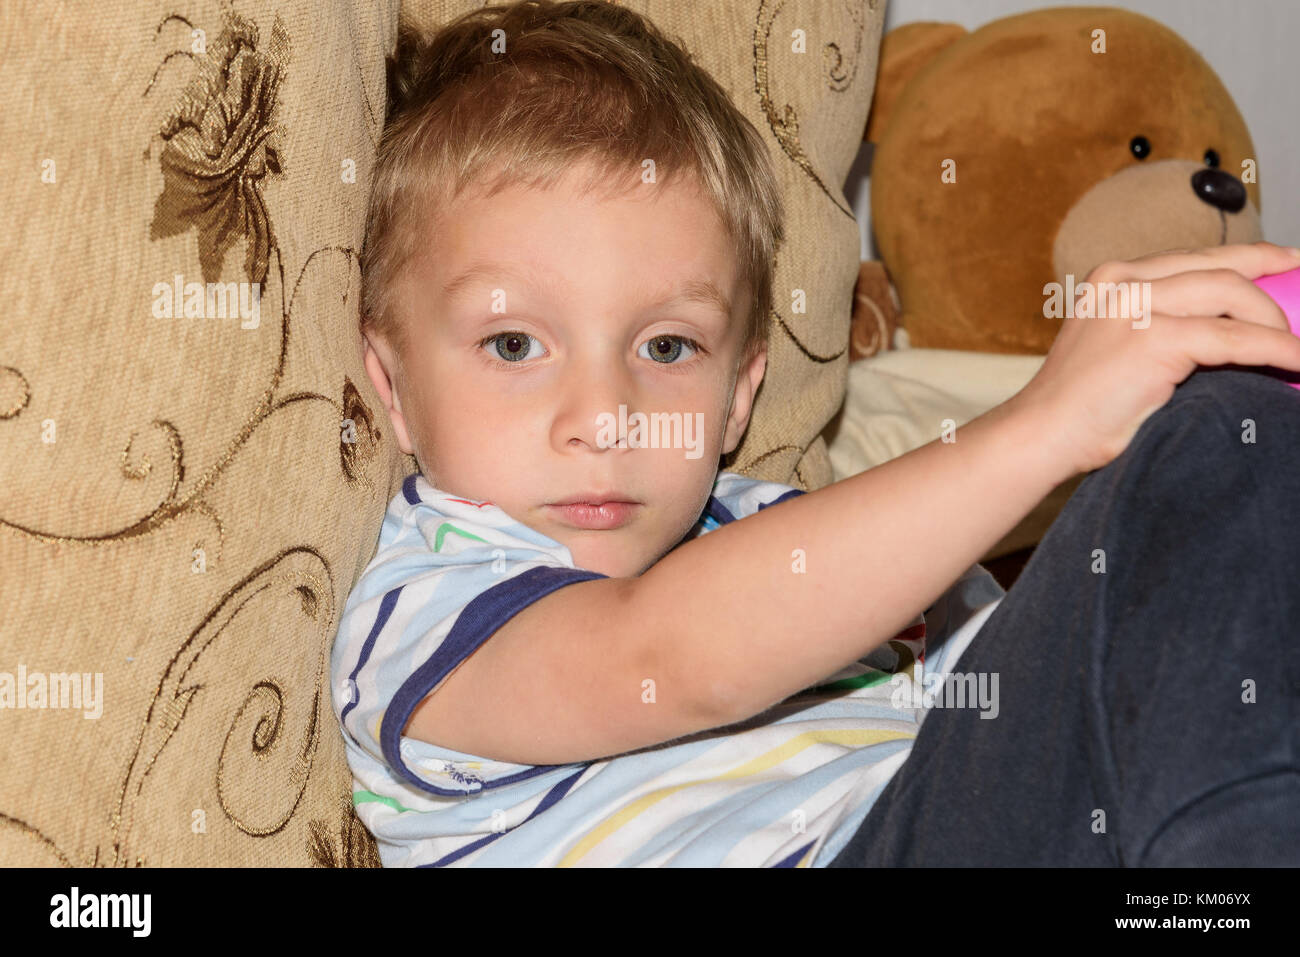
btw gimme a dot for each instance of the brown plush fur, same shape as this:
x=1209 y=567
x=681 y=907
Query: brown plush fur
x=1039 y=127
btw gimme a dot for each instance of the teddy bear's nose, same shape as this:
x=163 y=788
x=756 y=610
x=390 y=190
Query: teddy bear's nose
x=1221 y=190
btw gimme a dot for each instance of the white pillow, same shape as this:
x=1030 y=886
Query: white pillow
x=898 y=400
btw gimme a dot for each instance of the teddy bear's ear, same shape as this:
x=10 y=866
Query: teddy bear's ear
x=902 y=53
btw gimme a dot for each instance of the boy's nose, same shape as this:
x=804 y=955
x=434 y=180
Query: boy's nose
x=597 y=400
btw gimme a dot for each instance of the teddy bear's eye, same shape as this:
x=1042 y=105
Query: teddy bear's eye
x=1140 y=147
x=1211 y=158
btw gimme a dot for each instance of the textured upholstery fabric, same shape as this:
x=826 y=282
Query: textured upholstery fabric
x=181 y=508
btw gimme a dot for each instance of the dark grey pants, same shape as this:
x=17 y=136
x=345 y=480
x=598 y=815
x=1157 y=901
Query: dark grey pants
x=1149 y=714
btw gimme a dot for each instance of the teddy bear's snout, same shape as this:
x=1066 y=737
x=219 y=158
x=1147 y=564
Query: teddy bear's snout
x=1221 y=190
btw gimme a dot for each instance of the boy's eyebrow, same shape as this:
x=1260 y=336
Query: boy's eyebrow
x=703 y=291
x=486 y=269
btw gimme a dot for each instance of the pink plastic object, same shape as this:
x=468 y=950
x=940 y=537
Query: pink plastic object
x=1284 y=289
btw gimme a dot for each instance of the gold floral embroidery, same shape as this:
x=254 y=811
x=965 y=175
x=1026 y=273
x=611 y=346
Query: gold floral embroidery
x=359 y=442
x=784 y=122
x=219 y=147
x=354 y=847
x=15 y=393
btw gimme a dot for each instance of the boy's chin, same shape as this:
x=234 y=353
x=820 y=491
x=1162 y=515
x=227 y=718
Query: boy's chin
x=609 y=557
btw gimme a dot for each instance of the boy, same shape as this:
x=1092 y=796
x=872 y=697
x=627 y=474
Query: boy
x=580 y=230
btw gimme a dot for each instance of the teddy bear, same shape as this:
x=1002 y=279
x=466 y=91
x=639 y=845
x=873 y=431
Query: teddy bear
x=1010 y=161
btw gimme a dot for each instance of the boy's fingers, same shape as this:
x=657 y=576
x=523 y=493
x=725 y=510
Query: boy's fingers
x=1215 y=341
x=1251 y=260
x=1218 y=292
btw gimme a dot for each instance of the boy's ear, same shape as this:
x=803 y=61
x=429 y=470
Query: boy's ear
x=748 y=379
x=381 y=366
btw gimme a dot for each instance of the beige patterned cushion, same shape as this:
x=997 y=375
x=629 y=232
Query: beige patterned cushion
x=180 y=511
x=186 y=501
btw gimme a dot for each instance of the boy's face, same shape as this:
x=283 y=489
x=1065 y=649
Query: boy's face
x=588 y=286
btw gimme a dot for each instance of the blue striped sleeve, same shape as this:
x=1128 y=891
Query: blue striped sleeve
x=446 y=575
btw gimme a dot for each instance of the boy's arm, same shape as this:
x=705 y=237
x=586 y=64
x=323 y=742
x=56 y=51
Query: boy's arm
x=878 y=547
x=723 y=626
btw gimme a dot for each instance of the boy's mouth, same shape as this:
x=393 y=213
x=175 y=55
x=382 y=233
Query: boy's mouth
x=597 y=515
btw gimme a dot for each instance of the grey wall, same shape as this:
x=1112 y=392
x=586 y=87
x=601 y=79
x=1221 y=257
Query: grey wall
x=1254 y=46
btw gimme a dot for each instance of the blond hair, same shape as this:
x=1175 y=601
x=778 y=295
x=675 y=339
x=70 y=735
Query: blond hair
x=581 y=80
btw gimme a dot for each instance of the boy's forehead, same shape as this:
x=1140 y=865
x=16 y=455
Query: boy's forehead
x=699 y=289
x=583 y=189
x=674 y=248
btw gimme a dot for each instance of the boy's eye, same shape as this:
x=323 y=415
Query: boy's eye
x=666 y=349
x=511 y=346
x=514 y=347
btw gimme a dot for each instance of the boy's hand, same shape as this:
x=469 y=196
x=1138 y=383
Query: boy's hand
x=1106 y=374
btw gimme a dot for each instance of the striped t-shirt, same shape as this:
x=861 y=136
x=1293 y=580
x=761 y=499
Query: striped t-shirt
x=786 y=788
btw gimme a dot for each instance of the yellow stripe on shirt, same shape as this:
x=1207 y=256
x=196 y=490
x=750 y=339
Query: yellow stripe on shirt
x=858 y=737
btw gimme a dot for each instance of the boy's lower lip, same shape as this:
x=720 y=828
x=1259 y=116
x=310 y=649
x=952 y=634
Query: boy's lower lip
x=606 y=516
